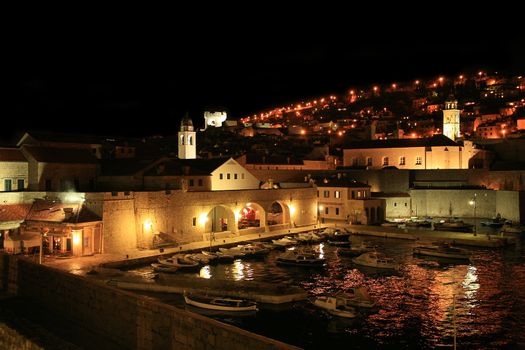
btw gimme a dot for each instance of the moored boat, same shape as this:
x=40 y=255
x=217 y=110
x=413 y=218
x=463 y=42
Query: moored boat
x=336 y=305
x=453 y=226
x=357 y=296
x=163 y=268
x=219 y=303
x=377 y=260
x=298 y=258
x=443 y=250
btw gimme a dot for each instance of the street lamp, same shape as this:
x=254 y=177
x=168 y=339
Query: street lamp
x=474 y=203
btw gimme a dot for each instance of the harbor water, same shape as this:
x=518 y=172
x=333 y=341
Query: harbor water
x=423 y=306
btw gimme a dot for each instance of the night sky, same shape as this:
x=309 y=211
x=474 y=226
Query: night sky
x=141 y=83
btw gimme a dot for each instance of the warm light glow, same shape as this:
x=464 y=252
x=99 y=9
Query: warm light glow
x=237 y=215
x=321 y=207
x=340 y=133
x=147 y=224
x=480 y=73
x=352 y=92
x=441 y=79
x=461 y=77
x=303 y=132
x=394 y=86
x=375 y=88
x=414 y=134
x=76 y=238
x=417 y=82
x=203 y=218
x=292 y=210
x=471 y=202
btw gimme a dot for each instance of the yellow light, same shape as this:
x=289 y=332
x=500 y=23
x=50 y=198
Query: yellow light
x=76 y=238
x=147 y=225
x=237 y=215
x=375 y=88
x=303 y=132
x=441 y=79
x=460 y=77
x=292 y=210
x=203 y=218
x=417 y=82
x=321 y=207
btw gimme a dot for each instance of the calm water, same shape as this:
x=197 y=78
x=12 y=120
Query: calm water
x=415 y=306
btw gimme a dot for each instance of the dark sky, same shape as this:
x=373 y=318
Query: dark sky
x=141 y=82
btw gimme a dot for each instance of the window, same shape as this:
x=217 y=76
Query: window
x=190 y=140
x=228 y=176
x=192 y=182
x=317 y=194
x=235 y=176
x=200 y=182
x=7 y=185
x=353 y=194
x=418 y=160
x=401 y=160
x=406 y=204
x=20 y=184
x=395 y=204
x=220 y=176
x=326 y=210
x=182 y=139
x=385 y=161
x=194 y=221
x=337 y=194
x=358 y=194
x=326 y=194
x=242 y=176
x=369 y=161
x=336 y=211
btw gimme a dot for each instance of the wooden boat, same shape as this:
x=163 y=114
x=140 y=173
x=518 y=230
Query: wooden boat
x=336 y=305
x=443 y=250
x=219 y=303
x=298 y=258
x=163 y=268
x=453 y=226
x=377 y=260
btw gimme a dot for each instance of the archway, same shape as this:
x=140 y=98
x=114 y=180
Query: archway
x=251 y=215
x=278 y=214
x=219 y=219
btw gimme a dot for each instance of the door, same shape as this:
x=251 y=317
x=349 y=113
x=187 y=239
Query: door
x=8 y=185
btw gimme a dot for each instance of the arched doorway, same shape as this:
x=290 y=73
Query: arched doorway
x=278 y=214
x=220 y=219
x=251 y=215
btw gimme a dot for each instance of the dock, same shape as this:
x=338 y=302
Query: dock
x=258 y=291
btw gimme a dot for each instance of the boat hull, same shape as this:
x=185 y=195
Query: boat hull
x=439 y=254
x=208 y=304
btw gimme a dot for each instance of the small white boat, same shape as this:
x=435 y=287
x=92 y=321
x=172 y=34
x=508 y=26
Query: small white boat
x=308 y=237
x=219 y=303
x=377 y=260
x=298 y=258
x=180 y=261
x=443 y=250
x=336 y=305
x=284 y=242
x=453 y=225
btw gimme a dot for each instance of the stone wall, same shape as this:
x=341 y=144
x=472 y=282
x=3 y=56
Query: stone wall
x=130 y=321
x=132 y=220
x=14 y=171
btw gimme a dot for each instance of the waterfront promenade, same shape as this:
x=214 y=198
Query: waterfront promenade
x=83 y=264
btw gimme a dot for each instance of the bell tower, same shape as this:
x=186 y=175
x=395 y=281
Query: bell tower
x=187 y=140
x=451 y=120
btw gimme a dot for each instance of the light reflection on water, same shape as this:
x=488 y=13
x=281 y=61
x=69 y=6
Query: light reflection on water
x=415 y=306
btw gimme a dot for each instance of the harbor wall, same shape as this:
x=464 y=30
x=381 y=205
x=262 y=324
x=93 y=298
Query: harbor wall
x=130 y=321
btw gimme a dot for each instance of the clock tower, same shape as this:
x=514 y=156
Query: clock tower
x=187 y=141
x=451 y=120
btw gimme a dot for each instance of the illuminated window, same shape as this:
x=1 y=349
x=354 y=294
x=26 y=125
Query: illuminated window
x=401 y=160
x=418 y=160
x=337 y=194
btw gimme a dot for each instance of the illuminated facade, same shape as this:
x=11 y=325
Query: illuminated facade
x=451 y=120
x=214 y=119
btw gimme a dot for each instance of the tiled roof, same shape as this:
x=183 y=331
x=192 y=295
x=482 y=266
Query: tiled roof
x=436 y=140
x=11 y=155
x=44 y=210
x=60 y=155
x=338 y=182
x=81 y=139
x=14 y=212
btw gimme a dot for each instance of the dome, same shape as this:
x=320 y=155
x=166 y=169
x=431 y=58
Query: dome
x=186 y=124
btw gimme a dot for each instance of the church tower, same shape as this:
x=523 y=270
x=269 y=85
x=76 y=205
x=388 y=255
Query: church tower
x=451 y=120
x=187 y=139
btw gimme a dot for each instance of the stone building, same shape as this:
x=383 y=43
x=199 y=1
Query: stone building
x=13 y=170
x=347 y=200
